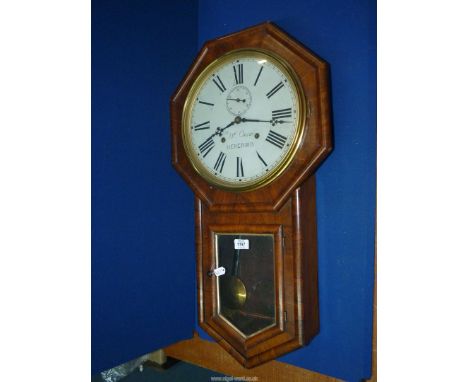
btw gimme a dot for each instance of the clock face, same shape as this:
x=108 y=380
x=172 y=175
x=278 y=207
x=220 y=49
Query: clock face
x=243 y=120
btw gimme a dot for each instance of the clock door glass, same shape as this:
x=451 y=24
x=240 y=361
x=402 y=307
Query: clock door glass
x=246 y=292
x=243 y=120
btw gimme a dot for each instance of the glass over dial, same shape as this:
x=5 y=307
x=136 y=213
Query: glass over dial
x=243 y=120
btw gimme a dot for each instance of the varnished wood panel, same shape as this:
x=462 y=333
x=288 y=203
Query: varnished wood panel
x=212 y=356
x=305 y=224
x=296 y=286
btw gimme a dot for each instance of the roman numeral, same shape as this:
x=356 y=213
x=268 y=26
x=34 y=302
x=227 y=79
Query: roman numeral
x=276 y=139
x=258 y=76
x=274 y=90
x=206 y=147
x=220 y=162
x=202 y=126
x=281 y=113
x=219 y=84
x=260 y=157
x=240 y=168
x=206 y=103
x=239 y=73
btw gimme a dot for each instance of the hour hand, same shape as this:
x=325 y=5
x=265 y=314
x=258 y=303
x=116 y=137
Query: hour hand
x=219 y=130
x=228 y=125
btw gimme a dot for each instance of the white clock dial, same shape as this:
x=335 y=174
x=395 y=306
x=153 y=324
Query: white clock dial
x=243 y=120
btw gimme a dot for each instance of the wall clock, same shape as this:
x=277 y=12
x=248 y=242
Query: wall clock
x=250 y=125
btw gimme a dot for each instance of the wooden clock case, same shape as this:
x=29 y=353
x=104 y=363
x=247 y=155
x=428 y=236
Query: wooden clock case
x=284 y=208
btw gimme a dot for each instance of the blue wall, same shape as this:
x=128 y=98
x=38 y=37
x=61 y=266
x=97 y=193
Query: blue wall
x=142 y=219
x=342 y=32
x=143 y=279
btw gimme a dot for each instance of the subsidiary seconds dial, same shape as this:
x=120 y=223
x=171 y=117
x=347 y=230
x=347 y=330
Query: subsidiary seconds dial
x=243 y=120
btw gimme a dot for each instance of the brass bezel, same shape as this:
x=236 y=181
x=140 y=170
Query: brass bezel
x=273 y=174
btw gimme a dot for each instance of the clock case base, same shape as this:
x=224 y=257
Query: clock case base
x=296 y=285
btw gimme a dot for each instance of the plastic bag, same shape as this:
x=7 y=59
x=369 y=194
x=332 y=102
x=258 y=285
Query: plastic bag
x=117 y=373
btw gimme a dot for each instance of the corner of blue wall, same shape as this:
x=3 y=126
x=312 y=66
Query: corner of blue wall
x=142 y=212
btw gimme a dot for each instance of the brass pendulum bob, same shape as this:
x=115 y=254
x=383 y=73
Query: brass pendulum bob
x=233 y=291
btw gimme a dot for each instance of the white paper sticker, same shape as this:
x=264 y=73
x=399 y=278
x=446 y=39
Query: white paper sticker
x=219 y=271
x=241 y=244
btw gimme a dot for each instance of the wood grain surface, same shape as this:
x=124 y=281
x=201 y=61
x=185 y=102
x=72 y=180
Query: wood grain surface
x=297 y=318
x=212 y=356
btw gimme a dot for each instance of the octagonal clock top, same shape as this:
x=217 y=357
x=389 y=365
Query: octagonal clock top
x=252 y=113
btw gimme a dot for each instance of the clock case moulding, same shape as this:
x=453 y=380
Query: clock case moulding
x=284 y=208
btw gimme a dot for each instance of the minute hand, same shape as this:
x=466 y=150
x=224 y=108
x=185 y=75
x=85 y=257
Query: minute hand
x=272 y=121
x=255 y=120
